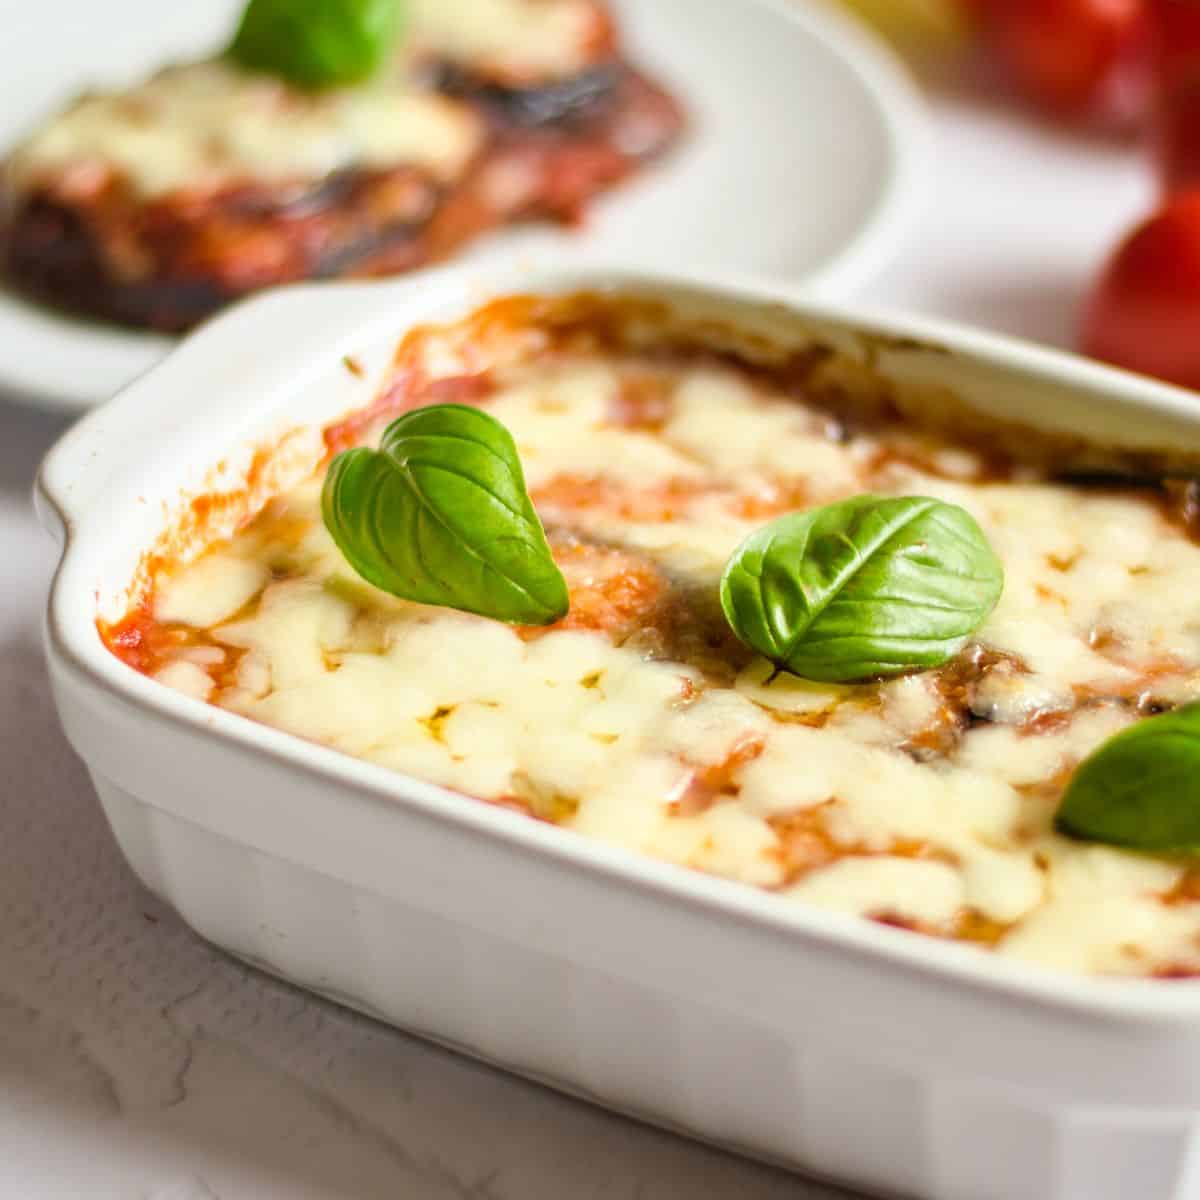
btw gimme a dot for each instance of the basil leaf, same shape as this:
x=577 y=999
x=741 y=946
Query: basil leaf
x=1141 y=789
x=317 y=43
x=439 y=514
x=863 y=588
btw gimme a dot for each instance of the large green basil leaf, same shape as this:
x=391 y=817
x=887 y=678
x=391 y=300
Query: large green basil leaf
x=1141 y=789
x=864 y=588
x=317 y=43
x=439 y=514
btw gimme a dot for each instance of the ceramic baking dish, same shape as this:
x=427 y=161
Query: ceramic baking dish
x=898 y=1064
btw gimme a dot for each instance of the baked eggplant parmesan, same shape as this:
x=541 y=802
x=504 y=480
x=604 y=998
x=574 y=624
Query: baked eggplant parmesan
x=156 y=205
x=618 y=695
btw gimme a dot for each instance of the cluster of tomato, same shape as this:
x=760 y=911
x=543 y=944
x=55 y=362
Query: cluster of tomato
x=1133 y=63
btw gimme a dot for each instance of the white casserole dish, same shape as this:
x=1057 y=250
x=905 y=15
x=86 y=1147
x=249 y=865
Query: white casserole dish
x=892 y=1062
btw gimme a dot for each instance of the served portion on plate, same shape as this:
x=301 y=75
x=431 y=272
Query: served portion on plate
x=746 y=609
x=363 y=139
x=800 y=158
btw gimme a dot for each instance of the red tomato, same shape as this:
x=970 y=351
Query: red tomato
x=1176 y=25
x=1145 y=313
x=1068 y=56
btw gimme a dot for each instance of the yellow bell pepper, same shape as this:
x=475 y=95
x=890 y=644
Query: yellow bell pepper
x=914 y=21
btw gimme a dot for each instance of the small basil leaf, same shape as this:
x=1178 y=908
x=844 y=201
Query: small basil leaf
x=439 y=514
x=317 y=43
x=864 y=588
x=1141 y=789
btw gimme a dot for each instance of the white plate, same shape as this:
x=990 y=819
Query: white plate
x=802 y=161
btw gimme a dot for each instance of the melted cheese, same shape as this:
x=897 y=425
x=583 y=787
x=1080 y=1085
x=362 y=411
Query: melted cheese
x=1102 y=914
x=207 y=124
x=881 y=800
x=186 y=677
x=719 y=422
x=517 y=40
x=212 y=591
x=559 y=419
x=932 y=892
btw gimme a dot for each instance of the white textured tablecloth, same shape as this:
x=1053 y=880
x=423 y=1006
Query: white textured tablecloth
x=138 y=1064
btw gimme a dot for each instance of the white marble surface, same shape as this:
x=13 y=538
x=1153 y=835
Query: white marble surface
x=138 y=1064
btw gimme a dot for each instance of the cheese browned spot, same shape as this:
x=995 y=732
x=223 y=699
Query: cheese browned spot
x=924 y=802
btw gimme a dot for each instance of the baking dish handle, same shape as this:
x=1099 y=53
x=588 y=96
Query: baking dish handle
x=61 y=483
